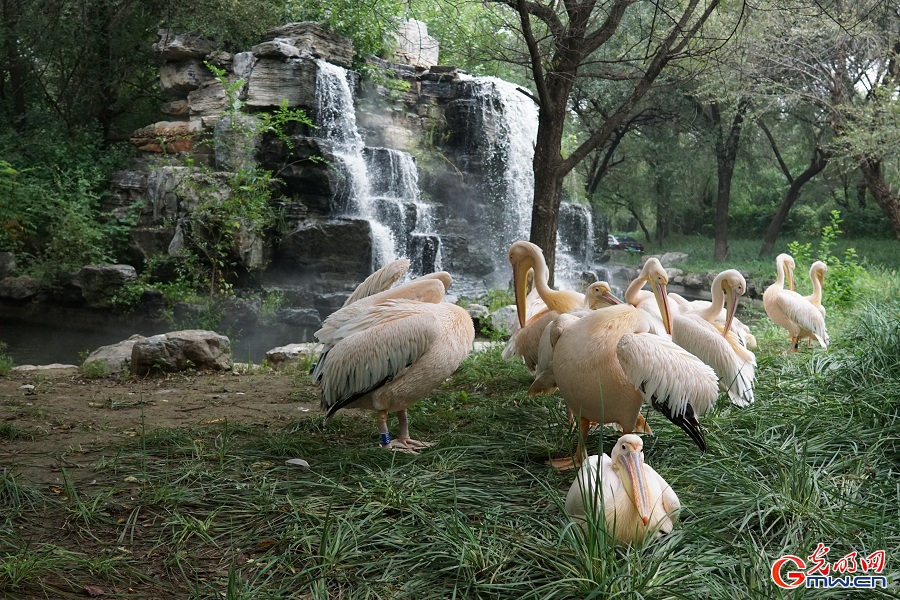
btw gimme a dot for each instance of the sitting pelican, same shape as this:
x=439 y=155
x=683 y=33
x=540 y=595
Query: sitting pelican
x=817 y=275
x=699 y=332
x=745 y=337
x=633 y=497
x=790 y=310
x=607 y=363
x=525 y=256
x=384 y=352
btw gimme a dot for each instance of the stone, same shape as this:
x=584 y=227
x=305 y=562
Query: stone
x=149 y=242
x=414 y=45
x=694 y=281
x=505 y=319
x=235 y=140
x=277 y=48
x=480 y=315
x=7 y=264
x=271 y=81
x=178 y=78
x=305 y=171
x=297 y=462
x=181 y=350
x=167 y=137
x=317 y=40
x=281 y=357
x=115 y=358
x=177 y=108
x=207 y=100
x=179 y=46
x=310 y=251
x=99 y=283
x=19 y=289
x=299 y=317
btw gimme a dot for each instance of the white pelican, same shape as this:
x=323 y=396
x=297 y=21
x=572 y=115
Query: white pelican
x=525 y=256
x=607 y=363
x=380 y=280
x=745 y=337
x=790 y=310
x=597 y=295
x=391 y=354
x=648 y=300
x=633 y=497
x=817 y=276
x=699 y=332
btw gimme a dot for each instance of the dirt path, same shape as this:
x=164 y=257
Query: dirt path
x=57 y=418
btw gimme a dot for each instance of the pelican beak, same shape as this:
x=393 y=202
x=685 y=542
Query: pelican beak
x=520 y=288
x=662 y=301
x=634 y=467
x=610 y=299
x=733 y=298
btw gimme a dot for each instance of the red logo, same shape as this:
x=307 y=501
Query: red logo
x=790 y=572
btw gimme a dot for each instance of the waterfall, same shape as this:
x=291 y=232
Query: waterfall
x=574 y=244
x=510 y=120
x=382 y=184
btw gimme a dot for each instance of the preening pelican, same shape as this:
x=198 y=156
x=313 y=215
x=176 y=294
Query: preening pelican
x=597 y=295
x=524 y=257
x=790 y=310
x=380 y=280
x=389 y=356
x=633 y=497
x=817 y=277
x=699 y=332
x=650 y=301
x=607 y=363
x=745 y=337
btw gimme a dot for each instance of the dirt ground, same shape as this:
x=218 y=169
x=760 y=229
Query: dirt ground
x=58 y=418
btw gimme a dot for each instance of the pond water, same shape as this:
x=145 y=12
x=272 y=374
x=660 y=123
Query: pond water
x=37 y=334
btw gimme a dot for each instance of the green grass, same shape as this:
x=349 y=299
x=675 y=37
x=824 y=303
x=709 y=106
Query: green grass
x=217 y=512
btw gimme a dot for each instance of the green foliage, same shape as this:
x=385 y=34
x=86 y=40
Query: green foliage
x=6 y=362
x=96 y=369
x=843 y=277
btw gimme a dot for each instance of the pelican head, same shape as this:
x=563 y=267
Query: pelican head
x=523 y=256
x=628 y=462
x=785 y=263
x=599 y=295
x=654 y=274
x=733 y=285
x=818 y=270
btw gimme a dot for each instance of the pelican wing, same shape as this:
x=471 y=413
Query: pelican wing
x=797 y=309
x=733 y=364
x=673 y=380
x=374 y=348
x=380 y=280
x=670 y=502
x=596 y=485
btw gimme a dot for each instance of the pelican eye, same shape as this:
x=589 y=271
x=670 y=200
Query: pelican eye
x=623 y=446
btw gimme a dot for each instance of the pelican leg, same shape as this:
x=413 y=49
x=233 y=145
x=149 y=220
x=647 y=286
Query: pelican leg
x=562 y=464
x=642 y=426
x=386 y=441
x=404 y=438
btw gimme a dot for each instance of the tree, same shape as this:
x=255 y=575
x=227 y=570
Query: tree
x=623 y=40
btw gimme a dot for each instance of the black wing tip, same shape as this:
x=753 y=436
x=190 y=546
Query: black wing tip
x=687 y=421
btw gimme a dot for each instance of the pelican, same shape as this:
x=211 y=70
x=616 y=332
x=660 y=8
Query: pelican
x=648 y=301
x=790 y=310
x=817 y=275
x=633 y=497
x=699 y=332
x=598 y=295
x=525 y=256
x=390 y=355
x=607 y=363
x=745 y=337
x=380 y=280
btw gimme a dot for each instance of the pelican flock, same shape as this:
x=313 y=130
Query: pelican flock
x=390 y=344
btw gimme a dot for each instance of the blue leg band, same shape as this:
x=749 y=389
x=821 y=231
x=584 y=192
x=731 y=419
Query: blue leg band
x=385 y=439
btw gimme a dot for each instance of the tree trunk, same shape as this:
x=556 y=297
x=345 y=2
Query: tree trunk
x=726 y=156
x=548 y=187
x=816 y=166
x=888 y=201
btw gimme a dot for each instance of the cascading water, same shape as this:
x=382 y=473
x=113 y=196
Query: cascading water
x=574 y=244
x=510 y=121
x=382 y=184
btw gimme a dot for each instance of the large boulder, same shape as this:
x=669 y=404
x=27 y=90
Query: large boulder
x=337 y=249
x=304 y=167
x=19 y=289
x=99 y=283
x=271 y=80
x=167 y=137
x=179 y=46
x=316 y=40
x=114 y=358
x=181 y=350
x=414 y=46
x=281 y=357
